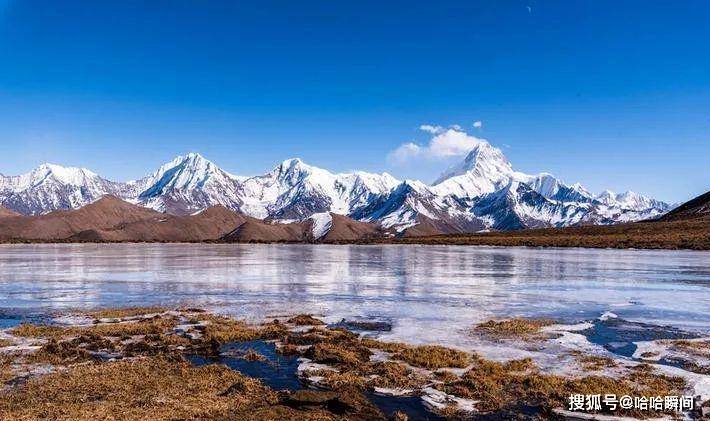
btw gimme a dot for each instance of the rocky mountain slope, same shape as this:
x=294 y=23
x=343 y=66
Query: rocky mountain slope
x=686 y=227
x=482 y=192
x=110 y=219
x=697 y=208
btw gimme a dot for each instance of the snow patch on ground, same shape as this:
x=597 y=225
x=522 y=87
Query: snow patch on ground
x=322 y=223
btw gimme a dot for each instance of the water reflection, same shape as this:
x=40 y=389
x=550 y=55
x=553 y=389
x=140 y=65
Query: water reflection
x=434 y=288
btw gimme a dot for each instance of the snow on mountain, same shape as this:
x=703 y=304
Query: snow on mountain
x=295 y=190
x=631 y=200
x=518 y=206
x=412 y=201
x=484 y=170
x=321 y=224
x=480 y=193
x=184 y=186
x=52 y=187
x=508 y=199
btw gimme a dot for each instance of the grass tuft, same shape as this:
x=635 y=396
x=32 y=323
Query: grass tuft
x=434 y=357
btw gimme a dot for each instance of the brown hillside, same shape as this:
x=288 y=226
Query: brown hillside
x=211 y=224
x=105 y=213
x=695 y=208
x=348 y=229
x=255 y=230
x=5 y=212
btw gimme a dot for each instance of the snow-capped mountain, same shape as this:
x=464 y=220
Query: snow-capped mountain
x=295 y=190
x=506 y=199
x=482 y=192
x=186 y=185
x=52 y=187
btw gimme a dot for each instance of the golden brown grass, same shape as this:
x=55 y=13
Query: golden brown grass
x=499 y=385
x=384 y=346
x=154 y=325
x=6 y=373
x=333 y=353
x=513 y=328
x=434 y=357
x=387 y=374
x=122 y=312
x=154 y=389
x=689 y=234
x=595 y=362
x=305 y=320
x=5 y=342
x=147 y=389
x=223 y=330
x=149 y=386
x=700 y=348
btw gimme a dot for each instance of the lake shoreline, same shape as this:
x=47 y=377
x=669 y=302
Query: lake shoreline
x=691 y=234
x=334 y=369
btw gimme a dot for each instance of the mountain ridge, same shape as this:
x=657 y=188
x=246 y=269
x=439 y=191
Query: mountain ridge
x=483 y=192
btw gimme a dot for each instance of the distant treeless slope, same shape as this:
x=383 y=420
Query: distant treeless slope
x=348 y=229
x=695 y=208
x=105 y=213
x=689 y=234
x=110 y=219
x=210 y=224
x=255 y=230
x=4 y=212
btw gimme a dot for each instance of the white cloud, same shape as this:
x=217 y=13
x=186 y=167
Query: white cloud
x=445 y=143
x=478 y=124
x=433 y=129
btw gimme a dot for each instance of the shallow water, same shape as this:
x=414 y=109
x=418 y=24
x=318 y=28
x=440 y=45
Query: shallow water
x=279 y=372
x=427 y=293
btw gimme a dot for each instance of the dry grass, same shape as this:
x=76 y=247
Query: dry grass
x=5 y=342
x=434 y=357
x=394 y=375
x=150 y=326
x=699 y=348
x=305 y=320
x=122 y=312
x=500 y=385
x=513 y=328
x=384 y=346
x=333 y=353
x=595 y=362
x=252 y=355
x=154 y=389
x=157 y=384
x=689 y=234
x=147 y=389
x=6 y=373
x=224 y=330
x=366 y=376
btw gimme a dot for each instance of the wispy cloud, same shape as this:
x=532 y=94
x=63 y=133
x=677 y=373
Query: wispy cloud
x=444 y=143
x=431 y=128
x=478 y=124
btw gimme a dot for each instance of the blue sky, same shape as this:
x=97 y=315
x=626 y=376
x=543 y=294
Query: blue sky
x=613 y=94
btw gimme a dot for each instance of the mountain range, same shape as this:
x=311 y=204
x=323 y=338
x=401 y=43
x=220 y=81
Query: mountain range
x=483 y=192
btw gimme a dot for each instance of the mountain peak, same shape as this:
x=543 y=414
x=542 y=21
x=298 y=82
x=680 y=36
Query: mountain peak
x=66 y=175
x=484 y=159
x=484 y=170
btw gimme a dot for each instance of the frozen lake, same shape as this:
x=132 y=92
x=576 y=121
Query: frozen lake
x=428 y=293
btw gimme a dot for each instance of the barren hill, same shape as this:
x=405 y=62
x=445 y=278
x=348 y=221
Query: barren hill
x=4 y=212
x=695 y=208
